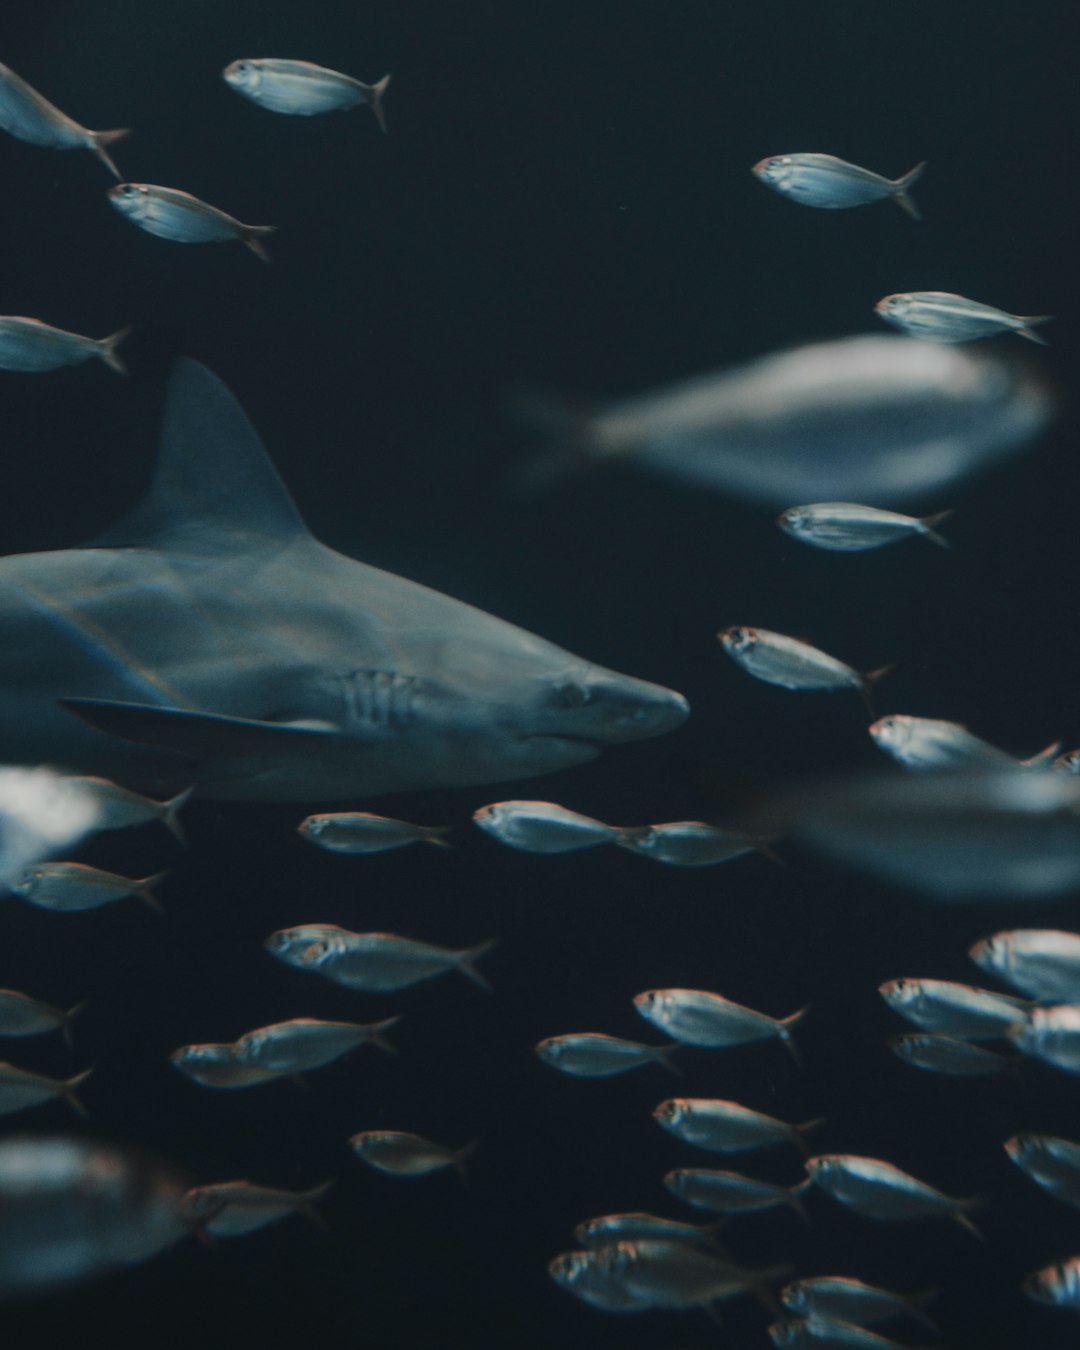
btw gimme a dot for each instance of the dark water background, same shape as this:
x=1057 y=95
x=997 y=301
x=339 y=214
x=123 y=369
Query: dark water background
x=564 y=201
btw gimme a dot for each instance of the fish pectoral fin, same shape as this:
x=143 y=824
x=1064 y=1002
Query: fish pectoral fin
x=197 y=734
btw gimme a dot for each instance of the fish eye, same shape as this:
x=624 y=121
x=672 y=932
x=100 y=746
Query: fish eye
x=575 y=695
x=241 y=67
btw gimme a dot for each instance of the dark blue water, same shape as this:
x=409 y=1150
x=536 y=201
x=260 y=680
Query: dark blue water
x=564 y=201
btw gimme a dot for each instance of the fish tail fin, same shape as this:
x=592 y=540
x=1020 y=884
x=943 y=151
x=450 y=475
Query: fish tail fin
x=307 y=1206
x=1044 y=758
x=70 y=1016
x=867 y=683
x=759 y=1283
x=631 y=837
x=663 y=1055
x=374 y=94
x=785 y=1026
x=69 y=1090
x=1028 y=322
x=100 y=139
x=436 y=834
x=107 y=349
x=902 y=187
x=376 y=1035
x=461 y=1156
x=798 y=1131
x=962 y=1215
x=795 y=1195
x=467 y=962
x=928 y=526
x=562 y=426
x=145 y=889
x=917 y=1304
x=253 y=235
x=765 y=848
x=170 y=815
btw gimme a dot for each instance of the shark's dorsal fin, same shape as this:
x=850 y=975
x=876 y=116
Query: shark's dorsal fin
x=214 y=480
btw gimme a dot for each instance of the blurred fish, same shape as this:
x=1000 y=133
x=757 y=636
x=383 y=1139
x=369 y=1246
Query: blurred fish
x=1069 y=761
x=727 y=1127
x=19 y=1089
x=30 y=117
x=236 y=1208
x=1041 y=962
x=1051 y=1035
x=21 y=1015
x=119 y=808
x=67 y=887
x=954 y=1009
x=303 y=89
x=949 y=1055
x=591 y=1054
x=1057 y=1285
x=172 y=214
x=928 y=743
x=543 y=827
x=793 y=664
x=731 y=1192
x=214 y=1065
x=940 y=316
x=697 y=1017
x=1053 y=1164
x=361 y=832
x=847 y=1300
x=30 y=345
x=41 y=813
x=831 y=183
x=72 y=1209
x=407 y=1155
x=593 y=1276
x=306 y=1043
x=374 y=962
x=610 y=1228
x=879 y=420
x=879 y=1190
x=845 y=527
x=827 y=1333
x=690 y=843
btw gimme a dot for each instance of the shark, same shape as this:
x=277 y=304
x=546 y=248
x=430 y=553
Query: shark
x=209 y=638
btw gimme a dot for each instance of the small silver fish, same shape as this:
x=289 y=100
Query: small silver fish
x=1041 y=962
x=301 y=88
x=949 y=1055
x=214 y=1065
x=845 y=527
x=731 y=1192
x=690 y=843
x=879 y=1190
x=697 y=1017
x=542 y=827
x=374 y=962
x=306 y=1043
x=68 y=888
x=19 y=1089
x=30 y=345
x=30 y=117
x=591 y=1054
x=954 y=1009
x=172 y=214
x=1057 y=1285
x=121 y=808
x=21 y=1015
x=608 y=1228
x=941 y=316
x=844 y=1299
x=658 y=1274
x=1053 y=1164
x=931 y=743
x=592 y=1277
x=834 y=184
x=1051 y=1035
x=408 y=1155
x=236 y=1208
x=727 y=1127
x=826 y=1333
x=792 y=664
x=361 y=832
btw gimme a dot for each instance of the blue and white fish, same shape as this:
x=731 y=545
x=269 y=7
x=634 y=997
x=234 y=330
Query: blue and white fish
x=302 y=88
x=941 y=316
x=172 y=214
x=28 y=116
x=847 y=527
x=833 y=184
x=880 y=1190
x=31 y=345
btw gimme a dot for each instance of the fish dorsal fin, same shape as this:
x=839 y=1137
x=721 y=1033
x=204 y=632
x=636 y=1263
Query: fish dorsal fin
x=214 y=480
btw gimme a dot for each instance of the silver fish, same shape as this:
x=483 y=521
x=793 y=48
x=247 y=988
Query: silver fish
x=68 y=888
x=591 y=1054
x=172 y=214
x=21 y=1015
x=609 y=1228
x=726 y=1127
x=930 y=743
x=731 y=1192
x=407 y=1155
x=374 y=962
x=361 y=832
x=845 y=1299
x=31 y=345
x=306 y=1043
x=30 y=117
x=593 y=1277
x=1041 y=962
x=879 y=1190
x=834 y=184
x=120 y=808
x=827 y=1333
x=954 y=1009
x=846 y=527
x=659 y=1274
x=542 y=827
x=941 y=316
x=301 y=88
x=690 y=843
x=1057 y=1285
x=949 y=1055
x=1053 y=1164
x=1051 y=1035
x=213 y=1065
x=792 y=664
x=236 y=1208
x=19 y=1089
x=697 y=1017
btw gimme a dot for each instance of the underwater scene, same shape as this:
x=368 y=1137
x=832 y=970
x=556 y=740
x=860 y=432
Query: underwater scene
x=539 y=734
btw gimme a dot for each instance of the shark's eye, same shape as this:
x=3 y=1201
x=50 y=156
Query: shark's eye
x=574 y=695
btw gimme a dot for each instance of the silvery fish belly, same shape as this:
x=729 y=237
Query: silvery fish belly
x=1052 y=1035
x=1041 y=962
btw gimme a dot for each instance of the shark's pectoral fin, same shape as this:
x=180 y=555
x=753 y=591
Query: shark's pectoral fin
x=203 y=736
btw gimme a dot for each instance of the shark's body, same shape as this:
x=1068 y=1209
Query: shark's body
x=209 y=638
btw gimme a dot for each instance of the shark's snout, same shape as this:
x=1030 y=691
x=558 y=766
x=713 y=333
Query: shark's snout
x=626 y=709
